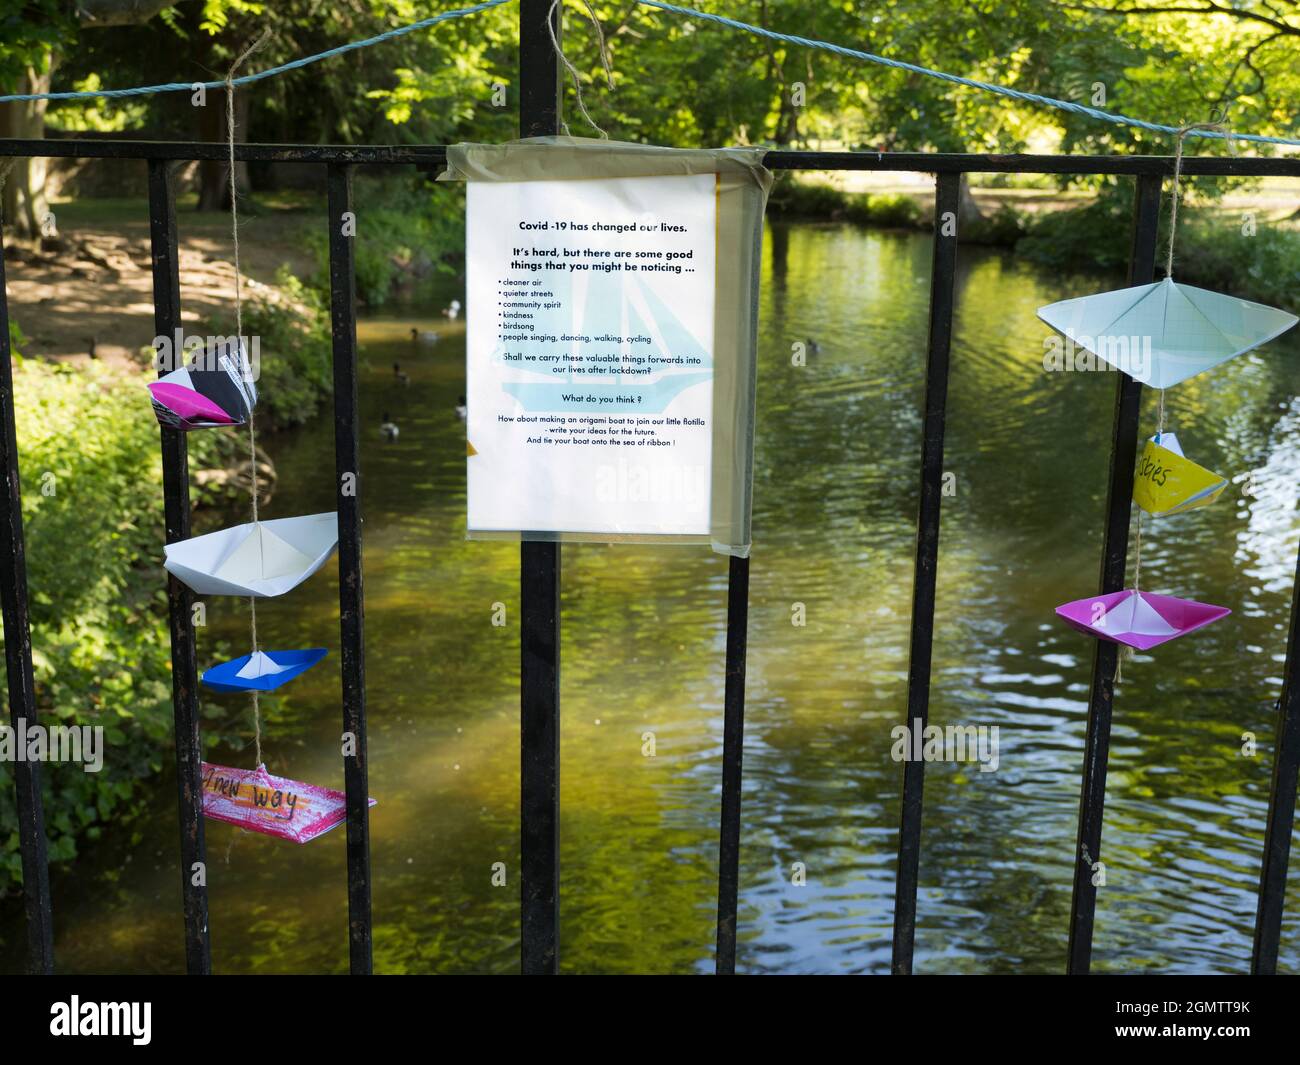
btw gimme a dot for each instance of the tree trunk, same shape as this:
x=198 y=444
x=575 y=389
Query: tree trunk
x=24 y=190
x=23 y=199
x=968 y=210
x=787 y=120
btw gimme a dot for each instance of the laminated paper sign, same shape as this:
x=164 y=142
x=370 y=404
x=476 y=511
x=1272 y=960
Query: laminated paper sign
x=259 y=802
x=591 y=355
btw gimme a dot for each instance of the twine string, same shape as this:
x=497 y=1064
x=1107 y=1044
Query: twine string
x=573 y=71
x=1137 y=549
x=239 y=340
x=1220 y=127
x=1125 y=655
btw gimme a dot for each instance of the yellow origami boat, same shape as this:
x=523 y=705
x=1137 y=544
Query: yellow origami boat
x=1166 y=482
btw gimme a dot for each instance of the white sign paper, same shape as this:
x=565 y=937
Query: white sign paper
x=590 y=355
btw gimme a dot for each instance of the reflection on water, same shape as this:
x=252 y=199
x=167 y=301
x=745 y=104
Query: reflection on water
x=835 y=508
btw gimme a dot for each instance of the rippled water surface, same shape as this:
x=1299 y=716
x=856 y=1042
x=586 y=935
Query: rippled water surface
x=643 y=637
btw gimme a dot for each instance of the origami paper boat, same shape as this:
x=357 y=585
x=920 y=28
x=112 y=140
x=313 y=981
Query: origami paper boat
x=1183 y=330
x=274 y=806
x=1168 y=483
x=215 y=389
x=260 y=559
x=262 y=671
x=1139 y=619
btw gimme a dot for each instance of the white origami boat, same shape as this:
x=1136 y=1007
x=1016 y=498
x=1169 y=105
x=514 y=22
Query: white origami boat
x=1188 y=330
x=260 y=559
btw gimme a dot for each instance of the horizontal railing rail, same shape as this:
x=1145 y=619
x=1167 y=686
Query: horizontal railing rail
x=906 y=162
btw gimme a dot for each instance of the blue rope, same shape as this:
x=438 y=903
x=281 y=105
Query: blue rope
x=248 y=79
x=1001 y=90
x=721 y=20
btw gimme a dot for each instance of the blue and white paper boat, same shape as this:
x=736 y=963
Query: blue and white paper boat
x=262 y=671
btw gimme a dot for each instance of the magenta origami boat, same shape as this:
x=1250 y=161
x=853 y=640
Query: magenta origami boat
x=215 y=389
x=1139 y=619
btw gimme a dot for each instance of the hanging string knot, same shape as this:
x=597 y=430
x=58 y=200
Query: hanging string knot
x=1126 y=653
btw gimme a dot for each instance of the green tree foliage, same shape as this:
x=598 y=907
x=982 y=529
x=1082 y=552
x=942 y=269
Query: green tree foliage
x=29 y=33
x=684 y=81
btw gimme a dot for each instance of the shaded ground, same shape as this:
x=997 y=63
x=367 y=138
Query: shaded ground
x=98 y=290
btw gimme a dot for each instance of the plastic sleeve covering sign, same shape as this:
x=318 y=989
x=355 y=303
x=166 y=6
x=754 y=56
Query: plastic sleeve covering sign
x=590 y=354
x=611 y=339
x=255 y=800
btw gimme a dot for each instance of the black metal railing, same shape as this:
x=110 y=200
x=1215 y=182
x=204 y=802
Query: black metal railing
x=539 y=94
x=180 y=600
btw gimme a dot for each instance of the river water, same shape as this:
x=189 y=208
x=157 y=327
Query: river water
x=835 y=502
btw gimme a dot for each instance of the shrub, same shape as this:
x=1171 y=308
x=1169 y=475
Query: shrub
x=419 y=231
x=1095 y=237
x=1212 y=249
x=92 y=510
x=791 y=198
x=1004 y=227
x=893 y=211
x=1214 y=252
x=296 y=351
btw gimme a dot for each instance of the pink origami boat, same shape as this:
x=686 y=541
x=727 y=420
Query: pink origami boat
x=1139 y=619
x=259 y=802
x=190 y=408
x=214 y=389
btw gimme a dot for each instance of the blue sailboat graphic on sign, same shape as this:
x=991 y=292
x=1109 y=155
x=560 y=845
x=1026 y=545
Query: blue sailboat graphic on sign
x=643 y=335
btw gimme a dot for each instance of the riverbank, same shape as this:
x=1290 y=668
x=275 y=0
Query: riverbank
x=1247 y=243
x=81 y=310
x=81 y=330
x=92 y=489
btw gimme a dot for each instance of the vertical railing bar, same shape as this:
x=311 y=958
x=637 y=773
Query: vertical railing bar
x=733 y=749
x=347 y=460
x=176 y=511
x=539 y=595
x=539 y=761
x=1281 y=805
x=1114 y=559
x=539 y=69
x=18 y=665
x=947 y=203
